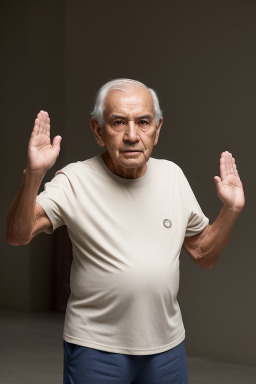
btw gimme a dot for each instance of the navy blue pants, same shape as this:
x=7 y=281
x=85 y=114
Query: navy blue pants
x=83 y=365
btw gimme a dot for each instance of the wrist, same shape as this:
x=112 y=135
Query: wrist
x=232 y=210
x=37 y=174
x=29 y=171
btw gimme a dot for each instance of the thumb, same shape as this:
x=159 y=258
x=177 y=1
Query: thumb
x=217 y=180
x=56 y=143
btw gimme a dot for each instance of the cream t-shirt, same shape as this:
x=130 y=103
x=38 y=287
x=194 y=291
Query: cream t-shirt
x=127 y=236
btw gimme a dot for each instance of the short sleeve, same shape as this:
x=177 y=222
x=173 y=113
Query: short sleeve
x=197 y=221
x=54 y=200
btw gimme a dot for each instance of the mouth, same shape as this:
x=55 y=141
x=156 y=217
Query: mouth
x=131 y=152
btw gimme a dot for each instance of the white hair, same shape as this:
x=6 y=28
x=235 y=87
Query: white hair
x=121 y=84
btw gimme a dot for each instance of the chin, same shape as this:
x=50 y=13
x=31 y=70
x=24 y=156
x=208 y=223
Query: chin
x=132 y=163
x=138 y=159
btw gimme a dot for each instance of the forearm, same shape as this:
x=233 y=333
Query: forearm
x=22 y=214
x=206 y=247
x=216 y=237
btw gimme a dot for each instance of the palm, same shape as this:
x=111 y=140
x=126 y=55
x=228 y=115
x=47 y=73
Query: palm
x=41 y=153
x=229 y=186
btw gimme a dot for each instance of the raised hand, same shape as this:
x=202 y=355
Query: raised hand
x=229 y=186
x=41 y=153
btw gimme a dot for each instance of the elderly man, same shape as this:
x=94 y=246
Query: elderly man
x=127 y=215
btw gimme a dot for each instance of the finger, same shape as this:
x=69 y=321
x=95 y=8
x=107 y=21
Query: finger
x=56 y=143
x=40 y=117
x=43 y=122
x=226 y=164
x=44 y=126
x=217 y=181
x=230 y=162
x=47 y=124
x=227 y=157
x=232 y=165
x=36 y=126
x=235 y=170
x=223 y=168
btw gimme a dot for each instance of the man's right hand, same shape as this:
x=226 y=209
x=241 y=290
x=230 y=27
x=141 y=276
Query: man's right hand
x=26 y=218
x=41 y=153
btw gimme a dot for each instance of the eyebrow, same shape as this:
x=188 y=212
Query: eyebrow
x=121 y=117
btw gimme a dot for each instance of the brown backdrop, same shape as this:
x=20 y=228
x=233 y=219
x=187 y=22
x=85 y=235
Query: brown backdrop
x=200 y=57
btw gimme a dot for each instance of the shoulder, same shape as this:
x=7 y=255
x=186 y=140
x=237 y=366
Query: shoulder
x=79 y=168
x=168 y=166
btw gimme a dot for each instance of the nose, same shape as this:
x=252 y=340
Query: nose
x=131 y=133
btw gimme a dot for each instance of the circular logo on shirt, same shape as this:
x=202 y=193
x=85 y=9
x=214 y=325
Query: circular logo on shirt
x=167 y=223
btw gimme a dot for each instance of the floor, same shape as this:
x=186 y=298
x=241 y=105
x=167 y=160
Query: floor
x=31 y=353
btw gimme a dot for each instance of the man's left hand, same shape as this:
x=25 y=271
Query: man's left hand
x=229 y=186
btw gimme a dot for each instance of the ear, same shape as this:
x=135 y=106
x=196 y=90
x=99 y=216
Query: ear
x=97 y=130
x=158 y=131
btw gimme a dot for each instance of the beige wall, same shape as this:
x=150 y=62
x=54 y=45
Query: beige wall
x=200 y=57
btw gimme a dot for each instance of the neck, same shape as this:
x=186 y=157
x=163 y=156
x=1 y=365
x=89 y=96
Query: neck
x=127 y=173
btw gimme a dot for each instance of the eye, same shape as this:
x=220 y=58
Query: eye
x=144 y=122
x=118 y=122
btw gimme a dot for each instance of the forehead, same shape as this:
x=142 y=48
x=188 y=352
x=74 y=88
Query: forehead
x=130 y=101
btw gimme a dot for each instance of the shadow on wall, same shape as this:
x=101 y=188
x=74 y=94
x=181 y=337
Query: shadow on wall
x=62 y=260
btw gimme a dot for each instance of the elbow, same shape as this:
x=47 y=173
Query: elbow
x=203 y=264
x=207 y=263
x=18 y=232
x=15 y=240
x=205 y=260
x=209 y=266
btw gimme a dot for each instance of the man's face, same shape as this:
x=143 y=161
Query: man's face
x=129 y=132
